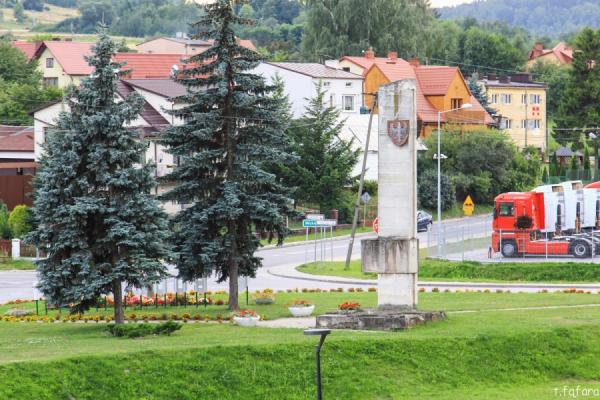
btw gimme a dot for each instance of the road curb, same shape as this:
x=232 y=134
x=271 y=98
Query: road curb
x=304 y=242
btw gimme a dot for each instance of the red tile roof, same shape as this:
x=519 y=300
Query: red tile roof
x=431 y=81
x=399 y=70
x=153 y=65
x=561 y=51
x=247 y=43
x=70 y=55
x=28 y=48
x=435 y=80
x=16 y=138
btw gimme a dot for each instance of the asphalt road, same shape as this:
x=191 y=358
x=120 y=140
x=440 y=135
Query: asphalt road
x=20 y=284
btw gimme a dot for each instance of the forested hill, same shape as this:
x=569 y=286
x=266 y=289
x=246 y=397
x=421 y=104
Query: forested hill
x=551 y=18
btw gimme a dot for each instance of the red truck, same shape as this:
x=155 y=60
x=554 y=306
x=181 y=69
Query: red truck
x=559 y=219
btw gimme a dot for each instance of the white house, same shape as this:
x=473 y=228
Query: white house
x=158 y=94
x=343 y=89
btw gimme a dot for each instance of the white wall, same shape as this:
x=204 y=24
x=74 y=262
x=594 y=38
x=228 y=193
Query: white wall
x=355 y=128
x=299 y=88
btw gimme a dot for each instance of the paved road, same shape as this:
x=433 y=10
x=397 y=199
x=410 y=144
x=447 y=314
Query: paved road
x=19 y=284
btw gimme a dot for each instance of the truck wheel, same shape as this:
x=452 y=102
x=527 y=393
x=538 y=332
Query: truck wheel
x=509 y=248
x=580 y=249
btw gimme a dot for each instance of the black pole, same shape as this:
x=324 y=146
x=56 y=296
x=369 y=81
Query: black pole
x=318 y=351
x=323 y=334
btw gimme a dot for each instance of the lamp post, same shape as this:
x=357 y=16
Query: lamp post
x=323 y=333
x=439 y=168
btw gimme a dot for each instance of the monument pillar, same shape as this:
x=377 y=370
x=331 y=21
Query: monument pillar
x=394 y=254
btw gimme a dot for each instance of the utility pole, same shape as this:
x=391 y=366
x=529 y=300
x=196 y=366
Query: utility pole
x=361 y=184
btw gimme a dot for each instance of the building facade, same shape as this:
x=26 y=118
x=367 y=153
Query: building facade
x=343 y=90
x=520 y=106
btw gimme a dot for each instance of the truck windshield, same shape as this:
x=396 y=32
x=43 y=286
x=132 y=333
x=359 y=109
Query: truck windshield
x=506 y=210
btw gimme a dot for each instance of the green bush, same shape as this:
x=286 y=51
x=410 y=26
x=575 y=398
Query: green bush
x=5 y=232
x=427 y=188
x=19 y=221
x=141 y=330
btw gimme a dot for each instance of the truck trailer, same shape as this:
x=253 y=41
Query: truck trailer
x=561 y=219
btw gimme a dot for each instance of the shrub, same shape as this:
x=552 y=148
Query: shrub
x=219 y=302
x=19 y=221
x=372 y=289
x=427 y=190
x=140 y=330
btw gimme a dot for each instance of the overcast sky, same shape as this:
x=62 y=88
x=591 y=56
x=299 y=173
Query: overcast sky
x=443 y=3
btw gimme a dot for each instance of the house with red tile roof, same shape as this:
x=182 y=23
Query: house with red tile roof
x=62 y=63
x=561 y=54
x=439 y=88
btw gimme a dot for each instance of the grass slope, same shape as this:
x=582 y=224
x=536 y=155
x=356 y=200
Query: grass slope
x=369 y=368
x=474 y=271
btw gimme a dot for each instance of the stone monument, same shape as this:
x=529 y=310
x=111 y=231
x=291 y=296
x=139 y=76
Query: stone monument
x=394 y=254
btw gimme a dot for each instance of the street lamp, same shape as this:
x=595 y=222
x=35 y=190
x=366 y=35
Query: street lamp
x=323 y=333
x=439 y=168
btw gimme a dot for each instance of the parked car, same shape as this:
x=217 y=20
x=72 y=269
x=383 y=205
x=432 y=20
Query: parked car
x=424 y=221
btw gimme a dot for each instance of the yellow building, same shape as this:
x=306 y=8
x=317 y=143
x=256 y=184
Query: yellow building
x=62 y=63
x=520 y=106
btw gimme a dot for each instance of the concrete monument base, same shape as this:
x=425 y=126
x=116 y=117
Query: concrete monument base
x=378 y=319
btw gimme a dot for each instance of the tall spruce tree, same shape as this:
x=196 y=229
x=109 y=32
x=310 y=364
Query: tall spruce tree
x=95 y=216
x=233 y=133
x=325 y=161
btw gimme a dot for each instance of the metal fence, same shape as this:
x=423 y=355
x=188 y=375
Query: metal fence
x=457 y=240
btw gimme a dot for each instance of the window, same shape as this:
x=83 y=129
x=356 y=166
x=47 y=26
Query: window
x=348 y=103
x=348 y=84
x=51 y=81
x=506 y=210
x=524 y=98
x=456 y=103
x=331 y=100
x=523 y=123
x=535 y=124
x=506 y=98
x=536 y=99
x=49 y=62
x=505 y=123
x=494 y=99
x=347 y=69
x=326 y=84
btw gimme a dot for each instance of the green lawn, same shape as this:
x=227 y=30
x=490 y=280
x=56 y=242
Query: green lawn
x=336 y=232
x=522 y=354
x=16 y=264
x=442 y=270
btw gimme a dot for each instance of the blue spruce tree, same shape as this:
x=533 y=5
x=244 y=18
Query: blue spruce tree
x=232 y=136
x=96 y=219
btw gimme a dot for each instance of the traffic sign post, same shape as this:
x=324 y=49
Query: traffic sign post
x=468 y=206
x=320 y=225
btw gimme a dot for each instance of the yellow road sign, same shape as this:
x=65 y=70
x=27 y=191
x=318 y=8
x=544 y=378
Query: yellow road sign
x=468 y=206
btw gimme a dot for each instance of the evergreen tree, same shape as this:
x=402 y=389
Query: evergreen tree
x=478 y=92
x=554 y=167
x=94 y=213
x=587 y=165
x=325 y=162
x=232 y=135
x=545 y=175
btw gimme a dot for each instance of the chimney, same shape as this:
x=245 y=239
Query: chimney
x=414 y=62
x=492 y=76
x=505 y=79
x=370 y=54
x=393 y=55
x=538 y=49
x=332 y=64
